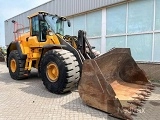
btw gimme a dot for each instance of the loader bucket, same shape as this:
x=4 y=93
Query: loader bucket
x=114 y=83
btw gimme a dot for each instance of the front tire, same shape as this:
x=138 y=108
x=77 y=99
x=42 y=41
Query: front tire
x=59 y=71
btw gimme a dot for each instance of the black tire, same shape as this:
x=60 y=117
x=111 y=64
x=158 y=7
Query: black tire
x=18 y=74
x=69 y=71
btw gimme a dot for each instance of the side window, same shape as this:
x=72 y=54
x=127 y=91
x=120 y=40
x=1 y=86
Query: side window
x=35 y=26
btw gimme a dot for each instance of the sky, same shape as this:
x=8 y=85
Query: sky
x=11 y=8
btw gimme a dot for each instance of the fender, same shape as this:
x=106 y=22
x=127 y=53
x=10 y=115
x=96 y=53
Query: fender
x=14 y=45
x=50 y=47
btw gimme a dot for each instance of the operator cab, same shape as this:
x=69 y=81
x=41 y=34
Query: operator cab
x=43 y=24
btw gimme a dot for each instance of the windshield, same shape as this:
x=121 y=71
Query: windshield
x=55 y=23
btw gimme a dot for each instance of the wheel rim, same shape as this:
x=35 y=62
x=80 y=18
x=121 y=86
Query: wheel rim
x=13 y=65
x=52 y=72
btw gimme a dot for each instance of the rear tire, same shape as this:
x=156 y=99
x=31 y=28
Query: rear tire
x=59 y=71
x=16 y=66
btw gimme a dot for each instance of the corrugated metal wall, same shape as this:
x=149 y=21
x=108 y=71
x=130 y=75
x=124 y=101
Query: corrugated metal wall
x=60 y=7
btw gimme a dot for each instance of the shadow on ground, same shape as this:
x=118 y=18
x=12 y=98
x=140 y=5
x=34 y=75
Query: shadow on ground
x=32 y=85
x=80 y=107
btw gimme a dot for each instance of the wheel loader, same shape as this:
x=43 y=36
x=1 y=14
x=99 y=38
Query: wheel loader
x=111 y=82
x=2 y=54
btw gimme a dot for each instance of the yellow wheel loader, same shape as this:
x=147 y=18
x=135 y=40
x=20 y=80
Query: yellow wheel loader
x=111 y=82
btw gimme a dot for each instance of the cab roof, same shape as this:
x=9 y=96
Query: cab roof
x=37 y=13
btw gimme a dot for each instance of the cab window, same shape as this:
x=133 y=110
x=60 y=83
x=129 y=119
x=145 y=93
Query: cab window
x=35 y=26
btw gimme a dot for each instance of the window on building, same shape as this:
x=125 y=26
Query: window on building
x=116 y=20
x=118 y=42
x=157 y=21
x=140 y=16
x=156 y=57
x=94 y=23
x=68 y=30
x=79 y=24
x=125 y=25
x=141 y=46
x=96 y=43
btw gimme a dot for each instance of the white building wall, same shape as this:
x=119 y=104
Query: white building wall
x=124 y=24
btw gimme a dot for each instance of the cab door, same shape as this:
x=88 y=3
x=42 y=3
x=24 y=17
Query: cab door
x=33 y=40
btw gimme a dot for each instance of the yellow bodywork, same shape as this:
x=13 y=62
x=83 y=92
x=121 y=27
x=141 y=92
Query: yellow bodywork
x=33 y=48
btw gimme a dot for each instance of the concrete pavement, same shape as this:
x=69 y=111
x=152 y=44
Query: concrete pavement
x=29 y=100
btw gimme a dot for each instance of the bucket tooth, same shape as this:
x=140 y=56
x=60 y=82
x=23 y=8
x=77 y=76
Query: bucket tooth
x=144 y=94
x=150 y=85
x=135 y=102
x=140 y=98
x=145 y=90
x=150 y=88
